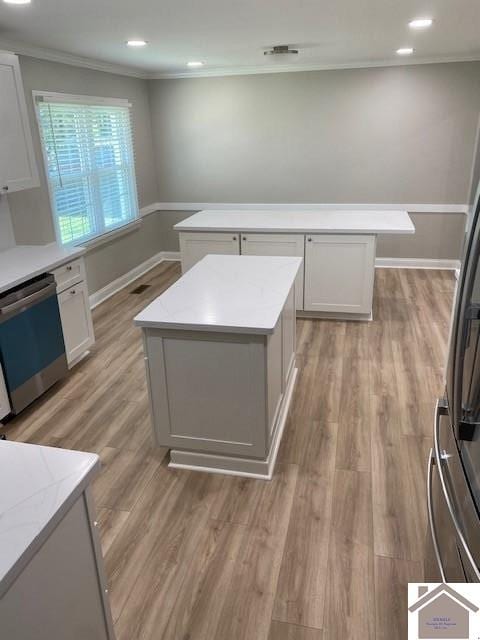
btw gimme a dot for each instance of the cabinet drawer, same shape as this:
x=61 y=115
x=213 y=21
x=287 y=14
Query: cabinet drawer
x=69 y=274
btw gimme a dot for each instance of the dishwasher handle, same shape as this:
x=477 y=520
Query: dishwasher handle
x=28 y=301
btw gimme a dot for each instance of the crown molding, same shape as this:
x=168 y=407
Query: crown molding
x=295 y=67
x=53 y=55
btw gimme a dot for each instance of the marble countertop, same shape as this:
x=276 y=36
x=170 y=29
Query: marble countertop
x=38 y=486
x=23 y=262
x=233 y=294
x=362 y=222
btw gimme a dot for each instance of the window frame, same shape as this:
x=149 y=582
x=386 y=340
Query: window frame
x=66 y=98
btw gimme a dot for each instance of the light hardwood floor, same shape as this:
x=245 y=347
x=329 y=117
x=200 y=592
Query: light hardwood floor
x=324 y=550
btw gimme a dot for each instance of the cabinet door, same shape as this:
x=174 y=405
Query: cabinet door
x=195 y=245
x=339 y=273
x=18 y=169
x=76 y=321
x=4 y=401
x=277 y=244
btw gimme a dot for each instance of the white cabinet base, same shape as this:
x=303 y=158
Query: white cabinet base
x=324 y=315
x=219 y=399
x=339 y=274
x=229 y=465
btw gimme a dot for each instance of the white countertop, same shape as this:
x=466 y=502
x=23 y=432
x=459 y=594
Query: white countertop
x=364 y=222
x=234 y=294
x=23 y=262
x=37 y=487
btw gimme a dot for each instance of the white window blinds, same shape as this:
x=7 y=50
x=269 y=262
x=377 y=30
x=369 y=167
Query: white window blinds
x=90 y=167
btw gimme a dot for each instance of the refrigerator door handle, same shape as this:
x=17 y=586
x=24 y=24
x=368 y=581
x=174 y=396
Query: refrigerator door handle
x=431 y=520
x=439 y=457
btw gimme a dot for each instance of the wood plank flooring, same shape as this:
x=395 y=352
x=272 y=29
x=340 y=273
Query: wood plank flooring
x=324 y=551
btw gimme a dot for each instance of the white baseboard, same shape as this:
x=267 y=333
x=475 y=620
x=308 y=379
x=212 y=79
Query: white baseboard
x=417 y=263
x=127 y=278
x=171 y=255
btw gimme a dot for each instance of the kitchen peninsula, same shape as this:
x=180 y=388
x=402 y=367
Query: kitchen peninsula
x=338 y=247
x=220 y=359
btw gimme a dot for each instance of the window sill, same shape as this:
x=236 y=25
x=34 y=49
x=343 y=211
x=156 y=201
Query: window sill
x=105 y=238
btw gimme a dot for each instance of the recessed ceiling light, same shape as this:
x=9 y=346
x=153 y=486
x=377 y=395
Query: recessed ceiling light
x=420 y=23
x=136 y=43
x=17 y=1
x=195 y=63
x=405 y=51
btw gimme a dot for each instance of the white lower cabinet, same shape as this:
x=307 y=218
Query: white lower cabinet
x=4 y=401
x=277 y=244
x=195 y=246
x=76 y=321
x=339 y=273
x=336 y=279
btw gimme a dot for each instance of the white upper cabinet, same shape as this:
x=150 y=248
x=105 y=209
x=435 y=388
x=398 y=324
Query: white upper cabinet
x=18 y=168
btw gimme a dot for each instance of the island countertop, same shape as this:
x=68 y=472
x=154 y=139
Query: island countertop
x=39 y=485
x=278 y=221
x=233 y=294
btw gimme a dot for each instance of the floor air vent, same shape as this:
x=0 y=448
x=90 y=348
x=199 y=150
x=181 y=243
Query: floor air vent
x=141 y=288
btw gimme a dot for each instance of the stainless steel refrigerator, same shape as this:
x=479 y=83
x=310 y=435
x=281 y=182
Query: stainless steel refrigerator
x=453 y=480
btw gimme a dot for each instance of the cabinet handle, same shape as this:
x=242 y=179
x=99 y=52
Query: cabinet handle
x=5 y=188
x=69 y=268
x=244 y=239
x=72 y=292
x=309 y=239
x=234 y=238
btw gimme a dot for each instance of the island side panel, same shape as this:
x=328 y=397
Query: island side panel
x=207 y=391
x=58 y=594
x=289 y=327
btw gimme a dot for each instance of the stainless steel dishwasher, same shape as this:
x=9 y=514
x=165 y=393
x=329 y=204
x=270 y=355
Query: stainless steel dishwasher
x=32 y=350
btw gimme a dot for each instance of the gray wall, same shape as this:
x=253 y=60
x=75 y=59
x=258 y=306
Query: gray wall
x=30 y=209
x=385 y=135
x=379 y=135
x=7 y=238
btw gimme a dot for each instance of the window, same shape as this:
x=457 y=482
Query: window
x=87 y=145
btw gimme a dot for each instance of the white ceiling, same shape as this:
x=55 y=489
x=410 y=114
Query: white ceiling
x=231 y=35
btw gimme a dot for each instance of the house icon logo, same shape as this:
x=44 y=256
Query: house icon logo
x=441 y=612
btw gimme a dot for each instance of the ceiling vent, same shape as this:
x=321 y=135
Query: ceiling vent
x=281 y=50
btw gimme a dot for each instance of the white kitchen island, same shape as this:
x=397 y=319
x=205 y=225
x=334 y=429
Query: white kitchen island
x=338 y=247
x=220 y=361
x=52 y=582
